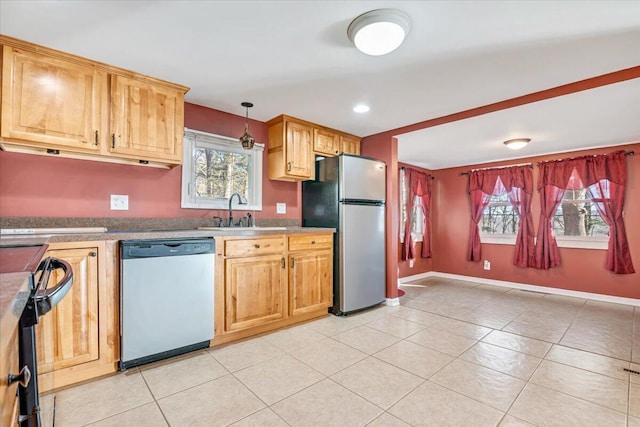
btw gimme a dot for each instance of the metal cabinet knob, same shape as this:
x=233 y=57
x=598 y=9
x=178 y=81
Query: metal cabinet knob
x=93 y=254
x=22 y=378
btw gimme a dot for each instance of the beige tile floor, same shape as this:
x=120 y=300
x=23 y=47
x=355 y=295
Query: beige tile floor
x=452 y=354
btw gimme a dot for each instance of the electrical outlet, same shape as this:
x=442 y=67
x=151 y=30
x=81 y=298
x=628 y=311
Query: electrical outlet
x=411 y=262
x=487 y=264
x=281 y=208
x=119 y=202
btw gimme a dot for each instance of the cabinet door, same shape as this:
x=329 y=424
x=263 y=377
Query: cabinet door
x=147 y=120
x=68 y=334
x=326 y=142
x=349 y=145
x=255 y=291
x=310 y=281
x=299 y=150
x=52 y=102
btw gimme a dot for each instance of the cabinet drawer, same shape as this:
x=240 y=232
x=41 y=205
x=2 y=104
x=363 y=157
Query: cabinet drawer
x=253 y=247
x=303 y=242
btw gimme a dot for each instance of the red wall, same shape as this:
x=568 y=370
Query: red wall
x=46 y=186
x=380 y=147
x=580 y=269
x=421 y=265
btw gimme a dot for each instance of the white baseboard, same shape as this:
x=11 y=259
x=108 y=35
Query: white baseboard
x=392 y=301
x=525 y=287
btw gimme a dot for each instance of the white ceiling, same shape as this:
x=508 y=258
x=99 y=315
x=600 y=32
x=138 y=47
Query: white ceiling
x=294 y=57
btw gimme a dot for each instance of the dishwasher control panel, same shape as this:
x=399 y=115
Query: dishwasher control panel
x=163 y=248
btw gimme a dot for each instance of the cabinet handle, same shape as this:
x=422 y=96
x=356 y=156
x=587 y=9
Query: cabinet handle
x=293 y=262
x=22 y=378
x=289 y=167
x=96 y=141
x=257 y=246
x=113 y=140
x=283 y=263
x=94 y=254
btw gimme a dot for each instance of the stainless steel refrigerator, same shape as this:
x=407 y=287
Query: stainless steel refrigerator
x=349 y=194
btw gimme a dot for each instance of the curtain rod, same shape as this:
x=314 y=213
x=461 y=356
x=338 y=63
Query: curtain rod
x=432 y=177
x=627 y=153
x=497 y=167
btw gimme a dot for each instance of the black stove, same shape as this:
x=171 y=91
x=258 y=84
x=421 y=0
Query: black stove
x=41 y=299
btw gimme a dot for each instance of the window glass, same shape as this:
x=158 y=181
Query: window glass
x=577 y=215
x=499 y=217
x=417 y=216
x=214 y=167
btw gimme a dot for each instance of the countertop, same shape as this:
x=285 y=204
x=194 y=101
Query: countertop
x=16 y=266
x=8 y=240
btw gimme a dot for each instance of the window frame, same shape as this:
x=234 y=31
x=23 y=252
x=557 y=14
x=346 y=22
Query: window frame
x=498 y=238
x=194 y=139
x=581 y=242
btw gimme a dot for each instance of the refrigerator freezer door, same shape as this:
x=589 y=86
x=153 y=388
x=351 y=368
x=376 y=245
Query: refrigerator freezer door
x=362 y=178
x=362 y=257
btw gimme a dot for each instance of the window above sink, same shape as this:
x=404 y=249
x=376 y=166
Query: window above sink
x=215 y=167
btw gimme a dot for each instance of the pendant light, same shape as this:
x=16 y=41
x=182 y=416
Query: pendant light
x=246 y=139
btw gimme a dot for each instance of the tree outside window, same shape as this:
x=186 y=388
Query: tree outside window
x=214 y=167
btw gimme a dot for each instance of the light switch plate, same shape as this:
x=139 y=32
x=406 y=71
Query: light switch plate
x=281 y=208
x=119 y=202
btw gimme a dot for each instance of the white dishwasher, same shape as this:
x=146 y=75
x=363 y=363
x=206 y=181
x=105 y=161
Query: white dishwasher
x=166 y=298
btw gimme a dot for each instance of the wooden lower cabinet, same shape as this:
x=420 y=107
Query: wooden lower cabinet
x=78 y=338
x=310 y=281
x=255 y=291
x=268 y=282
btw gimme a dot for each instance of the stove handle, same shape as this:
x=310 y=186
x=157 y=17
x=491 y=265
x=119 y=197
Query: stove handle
x=45 y=298
x=23 y=378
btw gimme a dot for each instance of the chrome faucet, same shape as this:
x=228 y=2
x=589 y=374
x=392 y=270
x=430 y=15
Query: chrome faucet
x=240 y=202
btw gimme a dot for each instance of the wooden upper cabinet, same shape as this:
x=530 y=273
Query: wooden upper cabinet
x=294 y=143
x=349 y=144
x=147 y=120
x=326 y=142
x=299 y=150
x=68 y=334
x=290 y=150
x=80 y=108
x=52 y=102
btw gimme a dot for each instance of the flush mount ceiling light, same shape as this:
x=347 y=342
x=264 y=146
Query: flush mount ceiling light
x=380 y=31
x=518 y=143
x=361 y=108
x=246 y=139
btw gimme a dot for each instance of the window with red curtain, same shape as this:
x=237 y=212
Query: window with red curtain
x=517 y=183
x=604 y=178
x=417 y=188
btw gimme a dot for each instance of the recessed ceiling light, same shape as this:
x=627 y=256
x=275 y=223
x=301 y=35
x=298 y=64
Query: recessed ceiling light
x=361 y=108
x=380 y=31
x=518 y=143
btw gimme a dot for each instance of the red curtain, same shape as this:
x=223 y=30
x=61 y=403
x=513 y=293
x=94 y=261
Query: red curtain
x=479 y=201
x=418 y=184
x=517 y=182
x=598 y=174
x=424 y=192
x=547 y=252
x=412 y=186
